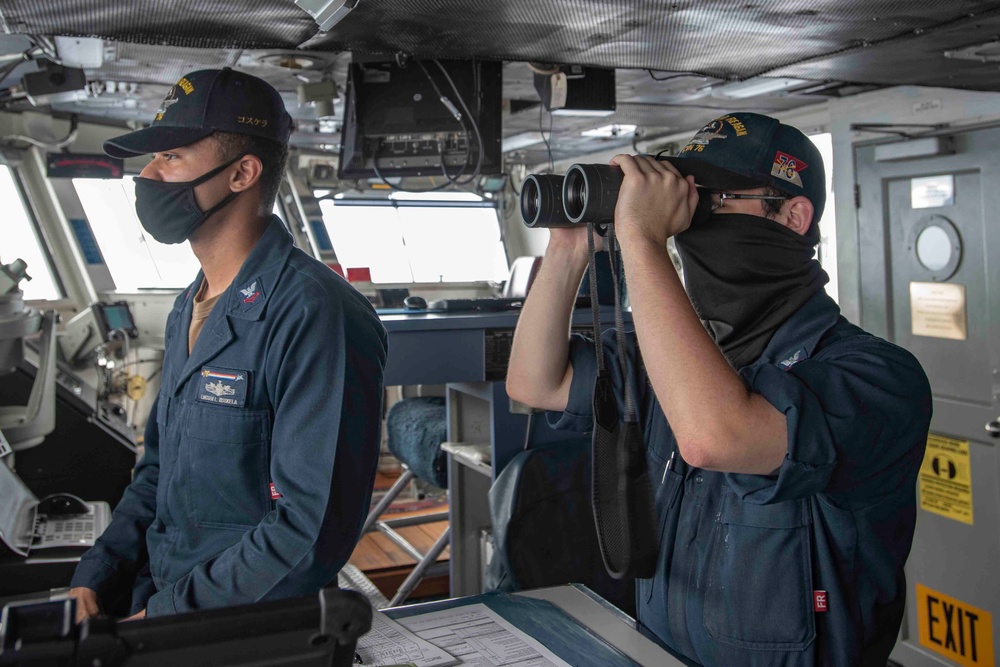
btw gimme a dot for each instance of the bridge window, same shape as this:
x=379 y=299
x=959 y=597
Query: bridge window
x=134 y=258
x=418 y=238
x=827 y=248
x=23 y=240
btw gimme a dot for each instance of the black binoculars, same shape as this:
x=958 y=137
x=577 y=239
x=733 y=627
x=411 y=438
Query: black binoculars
x=587 y=194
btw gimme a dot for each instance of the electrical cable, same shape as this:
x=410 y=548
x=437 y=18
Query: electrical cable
x=24 y=57
x=472 y=120
x=62 y=143
x=396 y=188
x=47 y=46
x=547 y=140
x=451 y=180
x=517 y=193
x=460 y=179
x=461 y=119
x=124 y=336
x=672 y=76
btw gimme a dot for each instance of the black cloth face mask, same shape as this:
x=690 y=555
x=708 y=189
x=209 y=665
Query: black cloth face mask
x=169 y=212
x=745 y=276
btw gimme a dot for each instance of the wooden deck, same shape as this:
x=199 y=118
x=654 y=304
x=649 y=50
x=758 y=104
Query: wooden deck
x=387 y=565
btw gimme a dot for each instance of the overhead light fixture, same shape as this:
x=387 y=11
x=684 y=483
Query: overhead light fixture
x=757 y=86
x=322 y=95
x=522 y=140
x=85 y=52
x=327 y=13
x=593 y=113
x=609 y=131
x=292 y=61
x=328 y=125
x=435 y=196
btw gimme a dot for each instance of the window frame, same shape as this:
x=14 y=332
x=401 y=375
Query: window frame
x=374 y=202
x=118 y=290
x=41 y=238
x=411 y=203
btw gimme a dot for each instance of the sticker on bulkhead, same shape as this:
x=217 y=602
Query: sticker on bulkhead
x=223 y=386
x=946 y=478
x=955 y=629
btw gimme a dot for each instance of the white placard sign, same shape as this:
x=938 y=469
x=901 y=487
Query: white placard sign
x=932 y=191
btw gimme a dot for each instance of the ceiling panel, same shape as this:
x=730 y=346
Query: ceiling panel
x=723 y=38
x=917 y=58
x=245 y=24
x=695 y=46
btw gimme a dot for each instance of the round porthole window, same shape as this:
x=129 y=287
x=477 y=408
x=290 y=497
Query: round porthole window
x=936 y=247
x=933 y=248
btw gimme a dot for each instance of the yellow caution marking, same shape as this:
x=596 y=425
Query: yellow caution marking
x=956 y=630
x=946 y=478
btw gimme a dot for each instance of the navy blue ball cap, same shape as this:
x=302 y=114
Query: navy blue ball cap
x=744 y=150
x=205 y=102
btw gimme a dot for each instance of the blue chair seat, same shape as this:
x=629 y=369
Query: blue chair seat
x=416 y=428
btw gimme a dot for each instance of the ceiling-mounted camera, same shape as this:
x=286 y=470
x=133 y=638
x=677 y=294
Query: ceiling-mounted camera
x=53 y=83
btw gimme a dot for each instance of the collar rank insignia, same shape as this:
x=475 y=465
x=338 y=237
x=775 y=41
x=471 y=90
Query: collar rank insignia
x=251 y=295
x=792 y=360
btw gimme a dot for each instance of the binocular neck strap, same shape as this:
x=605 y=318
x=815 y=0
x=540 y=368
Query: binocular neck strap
x=630 y=412
x=594 y=309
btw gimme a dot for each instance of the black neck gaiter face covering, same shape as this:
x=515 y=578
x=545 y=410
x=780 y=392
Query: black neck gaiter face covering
x=745 y=276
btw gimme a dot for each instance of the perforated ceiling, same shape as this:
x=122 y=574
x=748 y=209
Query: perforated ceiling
x=705 y=42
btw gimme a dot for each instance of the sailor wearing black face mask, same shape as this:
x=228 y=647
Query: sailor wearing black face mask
x=783 y=442
x=259 y=463
x=170 y=211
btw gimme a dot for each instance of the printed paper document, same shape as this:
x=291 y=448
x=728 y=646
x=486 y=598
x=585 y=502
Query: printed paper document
x=480 y=637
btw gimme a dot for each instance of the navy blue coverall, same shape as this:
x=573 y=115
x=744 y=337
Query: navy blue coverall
x=261 y=447
x=804 y=566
